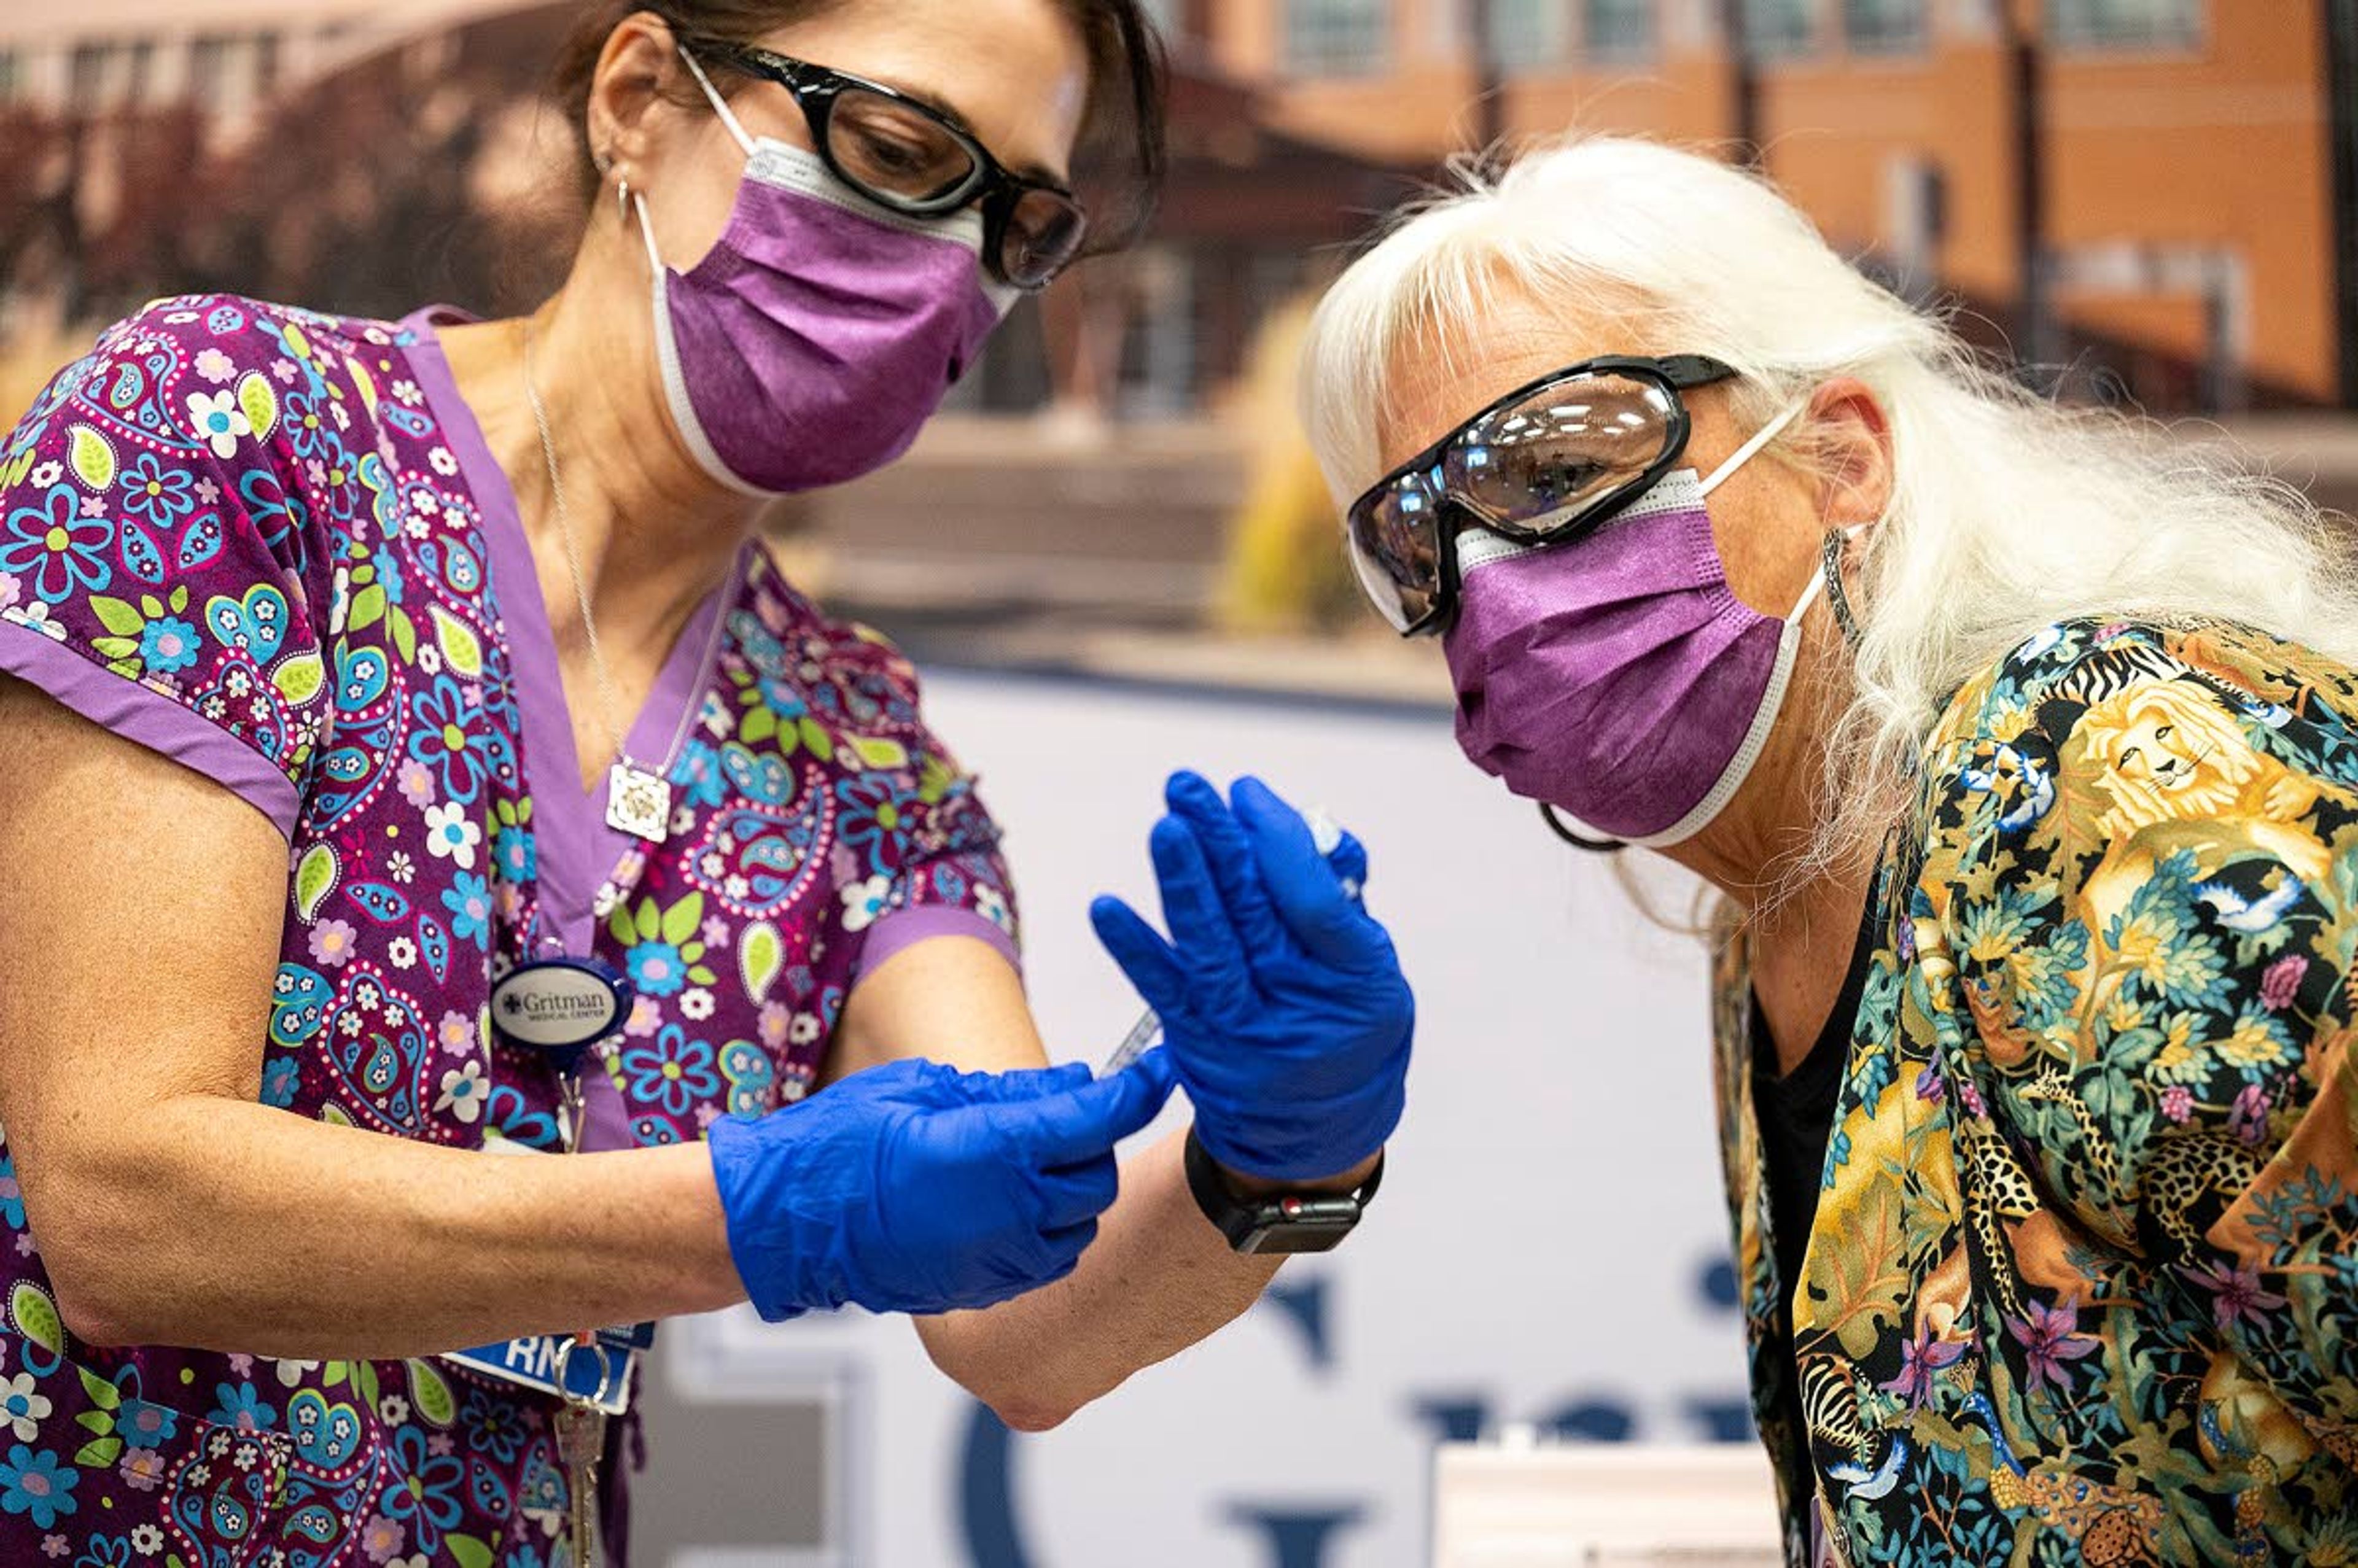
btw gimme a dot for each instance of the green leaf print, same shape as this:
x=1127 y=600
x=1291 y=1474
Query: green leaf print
x=621 y=924
x=878 y=752
x=429 y=1394
x=467 y=1552
x=814 y=736
x=759 y=725
x=151 y=606
x=100 y=1453
x=102 y=1394
x=259 y=405
x=760 y=953
x=680 y=921
x=300 y=678
x=93 y=459
x=179 y=599
x=364 y=1379
x=314 y=877
x=368 y=607
x=403 y=631
x=116 y=647
x=36 y=1319
x=462 y=649
x=123 y=620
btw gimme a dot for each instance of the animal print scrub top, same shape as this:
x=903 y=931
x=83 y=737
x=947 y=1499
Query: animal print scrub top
x=271 y=545
x=2082 y=1285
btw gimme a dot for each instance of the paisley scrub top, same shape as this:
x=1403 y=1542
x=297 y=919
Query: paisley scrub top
x=2082 y=1285
x=271 y=545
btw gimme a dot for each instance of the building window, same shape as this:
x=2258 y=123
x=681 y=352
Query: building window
x=142 y=74
x=86 y=74
x=1336 y=38
x=2126 y=23
x=1618 y=30
x=1526 y=33
x=1883 y=27
x=1781 y=27
x=208 y=72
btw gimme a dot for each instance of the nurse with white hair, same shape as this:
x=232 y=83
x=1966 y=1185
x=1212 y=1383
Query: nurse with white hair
x=2023 y=751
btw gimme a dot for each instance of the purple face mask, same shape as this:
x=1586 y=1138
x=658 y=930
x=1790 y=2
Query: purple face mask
x=820 y=331
x=1617 y=677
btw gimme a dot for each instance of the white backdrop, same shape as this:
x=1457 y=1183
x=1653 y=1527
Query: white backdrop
x=1550 y=1244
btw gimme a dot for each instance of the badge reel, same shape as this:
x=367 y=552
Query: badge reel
x=558 y=1008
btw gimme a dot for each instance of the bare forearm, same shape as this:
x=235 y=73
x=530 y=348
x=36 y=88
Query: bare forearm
x=235 y=1226
x=1158 y=1279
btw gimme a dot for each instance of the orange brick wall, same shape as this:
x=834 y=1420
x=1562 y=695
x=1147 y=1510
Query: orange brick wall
x=2221 y=146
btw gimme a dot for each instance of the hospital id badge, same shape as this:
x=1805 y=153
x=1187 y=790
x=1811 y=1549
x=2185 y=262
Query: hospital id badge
x=597 y=1372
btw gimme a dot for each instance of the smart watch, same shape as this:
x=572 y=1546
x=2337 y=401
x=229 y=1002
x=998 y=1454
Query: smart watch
x=1279 y=1222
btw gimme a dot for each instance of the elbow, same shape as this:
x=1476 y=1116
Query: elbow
x=1024 y=1397
x=105 y=1297
x=98 y=1307
x=1027 y=1411
x=91 y=1320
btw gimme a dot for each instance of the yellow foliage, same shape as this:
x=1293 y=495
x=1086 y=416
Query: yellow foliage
x=1284 y=569
x=27 y=363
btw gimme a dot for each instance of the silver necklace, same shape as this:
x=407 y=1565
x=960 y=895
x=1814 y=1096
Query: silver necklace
x=638 y=800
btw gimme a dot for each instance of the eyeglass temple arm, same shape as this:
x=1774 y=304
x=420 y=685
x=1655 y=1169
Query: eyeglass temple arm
x=1694 y=370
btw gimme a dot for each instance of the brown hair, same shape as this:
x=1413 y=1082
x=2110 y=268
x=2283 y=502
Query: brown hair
x=1118 y=165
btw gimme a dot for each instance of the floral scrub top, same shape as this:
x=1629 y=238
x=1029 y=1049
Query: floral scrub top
x=271 y=545
x=2082 y=1285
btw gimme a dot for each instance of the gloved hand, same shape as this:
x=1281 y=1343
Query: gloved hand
x=1285 y=1011
x=915 y=1188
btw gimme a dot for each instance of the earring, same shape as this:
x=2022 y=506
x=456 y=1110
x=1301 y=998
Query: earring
x=1830 y=557
x=623 y=198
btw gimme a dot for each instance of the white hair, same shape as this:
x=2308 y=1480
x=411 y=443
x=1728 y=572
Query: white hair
x=2007 y=513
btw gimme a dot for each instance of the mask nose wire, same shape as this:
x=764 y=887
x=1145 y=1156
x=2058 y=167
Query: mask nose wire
x=720 y=104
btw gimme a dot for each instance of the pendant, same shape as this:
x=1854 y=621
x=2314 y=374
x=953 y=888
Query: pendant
x=638 y=802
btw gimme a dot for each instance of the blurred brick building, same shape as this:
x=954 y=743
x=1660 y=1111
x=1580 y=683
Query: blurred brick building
x=2193 y=160
x=2194 y=163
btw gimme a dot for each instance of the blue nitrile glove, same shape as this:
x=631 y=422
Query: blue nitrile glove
x=915 y=1188
x=1285 y=1011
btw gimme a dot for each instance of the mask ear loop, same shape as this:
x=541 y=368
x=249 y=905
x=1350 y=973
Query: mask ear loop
x=646 y=228
x=1578 y=841
x=1743 y=454
x=720 y=104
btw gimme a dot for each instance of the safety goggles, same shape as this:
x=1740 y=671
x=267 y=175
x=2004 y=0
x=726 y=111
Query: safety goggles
x=910 y=157
x=1546 y=463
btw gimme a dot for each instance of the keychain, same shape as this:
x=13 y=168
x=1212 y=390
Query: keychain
x=581 y=1444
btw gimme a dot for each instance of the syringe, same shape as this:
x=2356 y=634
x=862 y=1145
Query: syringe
x=1329 y=839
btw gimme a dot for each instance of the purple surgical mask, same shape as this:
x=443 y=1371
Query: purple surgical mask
x=1617 y=677
x=818 y=334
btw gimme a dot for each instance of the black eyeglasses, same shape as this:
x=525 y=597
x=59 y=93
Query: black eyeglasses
x=910 y=157
x=1548 y=462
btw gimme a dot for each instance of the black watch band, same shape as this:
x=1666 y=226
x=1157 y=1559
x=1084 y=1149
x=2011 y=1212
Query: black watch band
x=1280 y=1222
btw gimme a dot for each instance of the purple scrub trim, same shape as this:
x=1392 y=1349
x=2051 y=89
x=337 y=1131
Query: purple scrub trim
x=149 y=718
x=901 y=929
x=577 y=850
